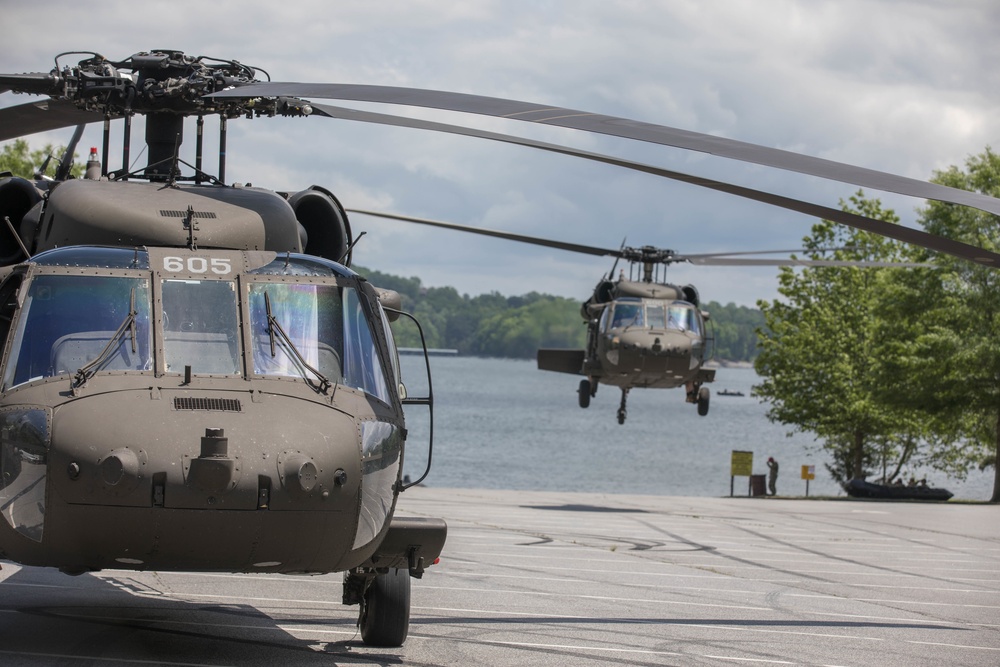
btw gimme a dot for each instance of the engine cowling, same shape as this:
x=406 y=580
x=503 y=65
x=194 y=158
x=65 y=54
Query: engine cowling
x=18 y=196
x=327 y=231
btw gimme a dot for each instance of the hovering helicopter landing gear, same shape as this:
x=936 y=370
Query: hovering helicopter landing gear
x=384 y=618
x=586 y=391
x=703 y=396
x=622 y=412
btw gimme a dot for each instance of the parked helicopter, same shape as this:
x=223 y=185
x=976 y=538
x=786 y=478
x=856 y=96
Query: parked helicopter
x=192 y=377
x=642 y=332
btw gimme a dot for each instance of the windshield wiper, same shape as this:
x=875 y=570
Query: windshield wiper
x=272 y=326
x=88 y=370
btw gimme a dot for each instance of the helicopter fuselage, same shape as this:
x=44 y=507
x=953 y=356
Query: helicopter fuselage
x=648 y=358
x=639 y=335
x=176 y=409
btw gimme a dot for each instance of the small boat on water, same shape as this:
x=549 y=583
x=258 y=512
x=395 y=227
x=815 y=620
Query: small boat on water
x=726 y=392
x=859 y=488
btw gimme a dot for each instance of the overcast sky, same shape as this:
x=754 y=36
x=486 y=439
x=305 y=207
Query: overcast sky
x=904 y=87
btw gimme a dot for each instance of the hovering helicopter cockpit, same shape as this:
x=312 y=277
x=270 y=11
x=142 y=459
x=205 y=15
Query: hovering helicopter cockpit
x=145 y=383
x=651 y=314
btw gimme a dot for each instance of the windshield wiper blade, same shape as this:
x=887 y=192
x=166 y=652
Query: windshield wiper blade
x=272 y=326
x=88 y=370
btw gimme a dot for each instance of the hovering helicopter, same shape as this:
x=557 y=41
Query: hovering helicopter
x=192 y=376
x=642 y=332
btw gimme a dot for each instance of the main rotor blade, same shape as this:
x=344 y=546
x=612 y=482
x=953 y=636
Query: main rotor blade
x=34 y=83
x=722 y=261
x=712 y=259
x=708 y=255
x=41 y=116
x=625 y=128
x=560 y=245
x=889 y=230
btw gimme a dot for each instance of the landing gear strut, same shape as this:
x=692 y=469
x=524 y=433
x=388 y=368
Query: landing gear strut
x=622 y=412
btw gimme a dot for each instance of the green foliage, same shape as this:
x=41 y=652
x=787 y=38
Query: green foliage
x=18 y=159
x=946 y=331
x=735 y=330
x=493 y=325
x=821 y=343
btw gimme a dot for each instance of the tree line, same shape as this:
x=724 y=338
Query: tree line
x=493 y=325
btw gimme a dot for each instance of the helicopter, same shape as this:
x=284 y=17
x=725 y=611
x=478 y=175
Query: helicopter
x=193 y=377
x=642 y=332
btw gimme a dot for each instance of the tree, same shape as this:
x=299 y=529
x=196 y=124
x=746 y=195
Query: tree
x=820 y=345
x=946 y=360
x=18 y=159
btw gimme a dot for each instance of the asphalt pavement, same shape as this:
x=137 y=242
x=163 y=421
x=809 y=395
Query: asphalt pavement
x=535 y=578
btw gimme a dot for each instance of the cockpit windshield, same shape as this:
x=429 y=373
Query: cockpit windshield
x=652 y=314
x=682 y=317
x=67 y=321
x=200 y=327
x=627 y=313
x=298 y=317
x=327 y=333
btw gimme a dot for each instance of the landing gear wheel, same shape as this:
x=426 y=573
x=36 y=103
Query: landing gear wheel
x=584 y=392
x=703 y=396
x=385 y=610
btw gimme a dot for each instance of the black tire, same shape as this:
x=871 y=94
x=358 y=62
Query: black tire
x=703 y=396
x=584 y=393
x=621 y=416
x=385 y=619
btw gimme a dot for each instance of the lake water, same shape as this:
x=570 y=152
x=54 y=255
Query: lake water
x=503 y=424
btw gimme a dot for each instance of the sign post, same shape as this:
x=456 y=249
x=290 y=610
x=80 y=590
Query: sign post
x=808 y=473
x=741 y=465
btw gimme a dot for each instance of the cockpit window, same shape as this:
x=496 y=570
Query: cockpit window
x=200 y=327
x=310 y=316
x=326 y=326
x=683 y=318
x=66 y=322
x=627 y=314
x=656 y=315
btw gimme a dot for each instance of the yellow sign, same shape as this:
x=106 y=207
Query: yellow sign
x=808 y=472
x=742 y=464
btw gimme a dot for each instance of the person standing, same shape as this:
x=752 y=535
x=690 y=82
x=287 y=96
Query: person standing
x=772 y=475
